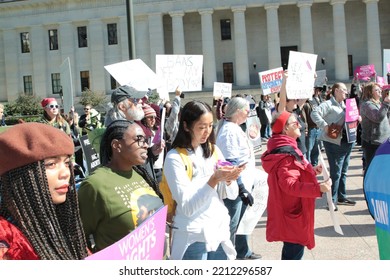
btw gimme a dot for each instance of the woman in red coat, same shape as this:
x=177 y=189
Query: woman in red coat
x=293 y=188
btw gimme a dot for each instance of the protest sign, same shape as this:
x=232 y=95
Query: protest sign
x=365 y=72
x=137 y=74
x=222 y=90
x=184 y=71
x=301 y=75
x=351 y=110
x=321 y=78
x=271 y=80
x=253 y=213
x=146 y=242
x=253 y=130
x=90 y=155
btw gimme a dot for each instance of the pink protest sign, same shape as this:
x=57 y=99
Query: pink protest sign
x=364 y=72
x=146 y=242
x=351 y=110
x=381 y=80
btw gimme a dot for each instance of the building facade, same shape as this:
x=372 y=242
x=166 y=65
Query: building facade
x=237 y=38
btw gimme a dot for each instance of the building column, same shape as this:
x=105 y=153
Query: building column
x=178 y=32
x=340 y=40
x=374 y=36
x=306 y=26
x=240 y=46
x=124 y=39
x=68 y=42
x=274 y=57
x=97 y=43
x=156 y=37
x=14 y=81
x=38 y=55
x=142 y=43
x=208 y=50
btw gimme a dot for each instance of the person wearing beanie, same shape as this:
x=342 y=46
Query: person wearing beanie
x=52 y=115
x=151 y=130
x=293 y=188
x=39 y=214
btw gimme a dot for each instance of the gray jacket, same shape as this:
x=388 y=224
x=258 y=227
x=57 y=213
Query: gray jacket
x=375 y=122
x=326 y=113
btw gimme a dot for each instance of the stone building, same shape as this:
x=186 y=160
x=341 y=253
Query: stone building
x=237 y=38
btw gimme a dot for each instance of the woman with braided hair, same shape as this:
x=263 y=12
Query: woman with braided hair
x=109 y=196
x=39 y=214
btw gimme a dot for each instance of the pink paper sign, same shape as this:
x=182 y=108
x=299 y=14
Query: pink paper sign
x=146 y=242
x=351 y=110
x=364 y=72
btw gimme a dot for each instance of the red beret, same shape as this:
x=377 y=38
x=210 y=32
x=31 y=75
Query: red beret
x=280 y=122
x=30 y=142
x=46 y=101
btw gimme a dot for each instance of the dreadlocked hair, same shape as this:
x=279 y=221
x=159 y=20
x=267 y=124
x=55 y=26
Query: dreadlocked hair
x=54 y=231
x=149 y=179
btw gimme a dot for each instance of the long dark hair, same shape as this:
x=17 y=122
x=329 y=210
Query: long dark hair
x=54 y=231
x=191 y=113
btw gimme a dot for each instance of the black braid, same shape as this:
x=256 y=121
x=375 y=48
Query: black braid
x=149 y=179
x=54 y=231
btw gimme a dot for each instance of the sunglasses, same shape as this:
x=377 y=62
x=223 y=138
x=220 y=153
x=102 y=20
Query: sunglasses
x=52 y=106
x=86 y=109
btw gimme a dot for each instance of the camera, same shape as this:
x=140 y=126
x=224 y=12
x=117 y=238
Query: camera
x=182 y=95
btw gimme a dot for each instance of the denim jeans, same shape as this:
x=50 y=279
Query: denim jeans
x=292 y=251
x=312 y=145
x=197 y=251
x=236 y=210
x=265 y=131
x=338 y=158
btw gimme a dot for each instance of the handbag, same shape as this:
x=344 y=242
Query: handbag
x=334 y=130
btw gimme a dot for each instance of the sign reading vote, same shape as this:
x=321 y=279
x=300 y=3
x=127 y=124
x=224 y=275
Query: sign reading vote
x=184 y=71
x=91 y=156
x=146 y=242
x=271 y=80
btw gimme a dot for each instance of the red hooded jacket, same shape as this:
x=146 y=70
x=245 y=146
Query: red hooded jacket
x=293 y=188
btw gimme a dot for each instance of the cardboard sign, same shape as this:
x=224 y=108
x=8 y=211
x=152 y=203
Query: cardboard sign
x=90 y=155
x=222 y=90
x=271 y=80
x=146 y=242
x=184 y=71
x=301 y=75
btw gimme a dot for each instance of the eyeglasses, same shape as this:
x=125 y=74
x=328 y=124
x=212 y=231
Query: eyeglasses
x=141 y=140
x=86 y=109
x=296 y=123
x=52 y=106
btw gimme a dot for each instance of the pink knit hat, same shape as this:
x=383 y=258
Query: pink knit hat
x=149 y=111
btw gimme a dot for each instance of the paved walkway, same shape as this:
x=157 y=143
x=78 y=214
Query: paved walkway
x=359 y=239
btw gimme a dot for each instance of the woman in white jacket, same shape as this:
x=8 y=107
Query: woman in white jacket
x=201 y=220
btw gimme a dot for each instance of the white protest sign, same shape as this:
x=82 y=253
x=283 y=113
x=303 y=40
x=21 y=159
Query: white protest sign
x=134 y=73
x=271 y=80
x=222 y=90
x=321 y=78
x=184 y=71
x=66 y=84
x=301 y=75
